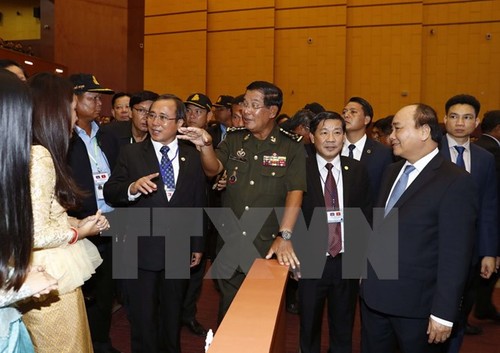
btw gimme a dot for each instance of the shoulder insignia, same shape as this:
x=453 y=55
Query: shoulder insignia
x=235 y=129
x=295 y=137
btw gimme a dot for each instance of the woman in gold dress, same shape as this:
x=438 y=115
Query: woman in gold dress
x=58 y=323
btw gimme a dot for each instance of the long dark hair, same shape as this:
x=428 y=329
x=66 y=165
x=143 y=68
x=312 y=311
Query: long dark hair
x=52 y=98
x=16 y=225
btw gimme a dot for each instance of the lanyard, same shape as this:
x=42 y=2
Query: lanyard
x=94 y=157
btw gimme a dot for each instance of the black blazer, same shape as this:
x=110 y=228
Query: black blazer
x=356 y=195
x=356 y=187
x=484 y=175
x=437 y=215
x=376 y=157
x=122 y=130
x=138 y=160
x=79 y=162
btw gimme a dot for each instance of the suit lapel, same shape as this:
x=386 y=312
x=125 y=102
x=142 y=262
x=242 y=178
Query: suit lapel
x=183 y=167
x=385 y=188
x=367 y=150
x=345 y=169
x=445 y=148
x=316 y=181
x=422 y=179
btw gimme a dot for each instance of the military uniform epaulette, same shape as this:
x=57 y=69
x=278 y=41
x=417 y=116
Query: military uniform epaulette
x=293 y=136
x=235 y=129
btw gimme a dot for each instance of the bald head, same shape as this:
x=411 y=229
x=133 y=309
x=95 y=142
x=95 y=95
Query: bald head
x=415 y=132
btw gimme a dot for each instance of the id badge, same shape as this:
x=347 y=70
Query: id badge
x=169 y=192
x=99 y=180
x=334 y=216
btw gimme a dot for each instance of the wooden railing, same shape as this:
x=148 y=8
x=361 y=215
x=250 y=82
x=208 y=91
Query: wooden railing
x=33 y=64
x=255 y=322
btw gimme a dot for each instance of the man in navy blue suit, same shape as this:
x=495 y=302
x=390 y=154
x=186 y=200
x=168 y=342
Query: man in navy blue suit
x=434 y=204
x=358 y=114
x=460 y=121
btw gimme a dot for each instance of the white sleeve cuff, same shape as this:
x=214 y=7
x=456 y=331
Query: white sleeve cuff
x=132 y=197
x=441 y=321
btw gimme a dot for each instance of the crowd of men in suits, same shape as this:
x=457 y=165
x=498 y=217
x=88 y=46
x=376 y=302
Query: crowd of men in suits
x=435 y=195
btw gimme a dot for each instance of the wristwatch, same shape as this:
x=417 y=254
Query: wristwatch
x=285 y=234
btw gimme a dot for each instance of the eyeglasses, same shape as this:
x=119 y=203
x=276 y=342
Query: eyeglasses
x=140 y=111
x=163 y=118
x=253 y=106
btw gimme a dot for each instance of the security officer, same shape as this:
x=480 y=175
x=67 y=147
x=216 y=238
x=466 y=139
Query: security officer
x=265 y=169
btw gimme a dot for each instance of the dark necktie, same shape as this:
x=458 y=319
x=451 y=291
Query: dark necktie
x=460 y=158
x=166 y=168
x=332 y=203
x=399 y=188
x=351 y=150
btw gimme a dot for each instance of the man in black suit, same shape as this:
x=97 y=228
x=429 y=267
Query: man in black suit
x=158 y=172
x=358 y=114
x=490 y=140
x=434 y=205
x=136 y=129
x=460 y=121
x=92 y=154
x=352 y=191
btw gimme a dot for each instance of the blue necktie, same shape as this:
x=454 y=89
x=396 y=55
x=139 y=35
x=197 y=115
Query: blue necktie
x=399 y=188
x=332 y=204
x=166 y=168
x=351 y=150
x=460 y=158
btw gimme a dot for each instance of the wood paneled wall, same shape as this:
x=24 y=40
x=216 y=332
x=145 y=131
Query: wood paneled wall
x=392 y=52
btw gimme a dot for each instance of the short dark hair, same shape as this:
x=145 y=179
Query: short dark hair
x=302 y=117
x=180 y=111
x=367 y=107
x=490 y=121
x=384 y=124
x=463 y=99
x=118 y=95
x=425 y=115
x=7 y=62
x=327 y=115
x=272 y=93
x=139 y=97
x=315 y=107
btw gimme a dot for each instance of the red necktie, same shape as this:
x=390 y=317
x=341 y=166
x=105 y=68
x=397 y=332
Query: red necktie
x=332 y=204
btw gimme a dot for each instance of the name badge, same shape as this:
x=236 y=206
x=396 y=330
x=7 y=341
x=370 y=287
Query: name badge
x=334 y=216
x=99 y=180
x=169 y=192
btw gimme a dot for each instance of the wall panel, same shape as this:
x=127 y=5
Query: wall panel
x=314 y=71
x=236 y=58
x=384 y=66
x=167 y=70
x=459 y=59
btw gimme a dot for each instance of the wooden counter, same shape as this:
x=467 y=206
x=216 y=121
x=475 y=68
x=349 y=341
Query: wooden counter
x=255 y=322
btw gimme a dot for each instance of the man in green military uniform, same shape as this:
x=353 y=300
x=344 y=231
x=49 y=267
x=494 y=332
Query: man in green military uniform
x=265 y=168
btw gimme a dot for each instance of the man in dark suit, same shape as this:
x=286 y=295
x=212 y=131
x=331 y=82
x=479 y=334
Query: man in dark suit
x=434 y=205
x=490 y=140
x=158 y=172
x=92 y=154
x=460 y=121
x=136 y=129
x=353 y=191
x=358 y=114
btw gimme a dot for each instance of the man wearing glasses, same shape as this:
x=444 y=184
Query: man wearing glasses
x=157 y=173
x=136 y=129
x=265 y=169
